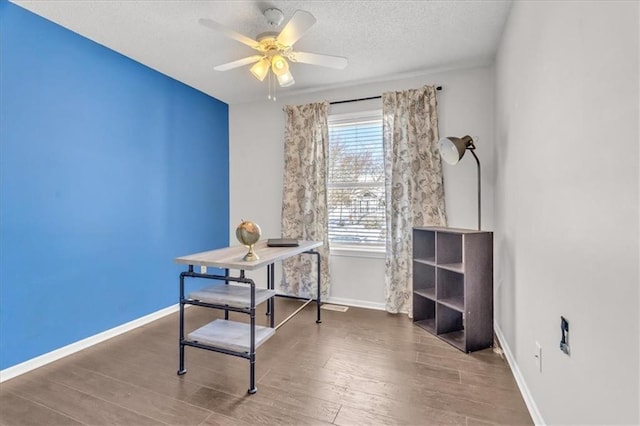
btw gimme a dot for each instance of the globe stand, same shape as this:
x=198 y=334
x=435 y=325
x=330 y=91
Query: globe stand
x=251 y=255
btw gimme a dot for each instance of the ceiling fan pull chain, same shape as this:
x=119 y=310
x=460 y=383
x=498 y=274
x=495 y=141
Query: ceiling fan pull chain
x=275 y=88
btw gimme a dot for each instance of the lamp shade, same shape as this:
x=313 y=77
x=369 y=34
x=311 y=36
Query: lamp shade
x=452 y=149
x=261 y=69
x=279 y=65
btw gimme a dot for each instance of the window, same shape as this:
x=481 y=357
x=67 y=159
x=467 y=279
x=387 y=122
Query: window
x=355 y=184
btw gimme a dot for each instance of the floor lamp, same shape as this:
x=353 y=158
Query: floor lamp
x=452 y=150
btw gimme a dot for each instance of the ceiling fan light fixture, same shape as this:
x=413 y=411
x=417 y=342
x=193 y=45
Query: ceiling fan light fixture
x=261 y=69
x=286 y=79
x=279 y=65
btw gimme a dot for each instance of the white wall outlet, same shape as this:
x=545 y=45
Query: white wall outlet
x=203 y=269
x=538 y=356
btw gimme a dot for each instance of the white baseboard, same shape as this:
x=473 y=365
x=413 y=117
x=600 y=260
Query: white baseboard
x=355 y=303
x=522 y=385
x=39 y=361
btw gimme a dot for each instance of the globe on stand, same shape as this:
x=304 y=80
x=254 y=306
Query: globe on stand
x=248 y=233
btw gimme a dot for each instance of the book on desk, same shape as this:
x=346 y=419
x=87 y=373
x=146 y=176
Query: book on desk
x=282 y=242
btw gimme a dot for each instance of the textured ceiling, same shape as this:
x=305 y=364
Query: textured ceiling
x=381 y=39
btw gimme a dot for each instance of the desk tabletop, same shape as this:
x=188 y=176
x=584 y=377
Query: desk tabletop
x=231 y=257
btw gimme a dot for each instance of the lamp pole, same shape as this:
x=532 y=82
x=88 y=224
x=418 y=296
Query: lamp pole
x=452 y=150
x=479 y=203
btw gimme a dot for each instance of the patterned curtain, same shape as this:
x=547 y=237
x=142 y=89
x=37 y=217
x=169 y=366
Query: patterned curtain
x=413 y=184
x=304 y=198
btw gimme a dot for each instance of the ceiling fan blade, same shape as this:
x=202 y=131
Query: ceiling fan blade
x=240 y=62
x=299 y=24
x=228 y=32
x=337 y=62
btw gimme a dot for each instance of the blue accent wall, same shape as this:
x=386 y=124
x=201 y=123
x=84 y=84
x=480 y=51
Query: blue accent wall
x=108 y=171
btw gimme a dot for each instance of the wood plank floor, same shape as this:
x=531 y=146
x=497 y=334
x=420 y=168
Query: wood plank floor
x=358 y=367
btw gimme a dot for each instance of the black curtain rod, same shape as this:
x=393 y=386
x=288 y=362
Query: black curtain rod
x=364 y=99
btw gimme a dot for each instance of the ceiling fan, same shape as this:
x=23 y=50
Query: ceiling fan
x=275 y=48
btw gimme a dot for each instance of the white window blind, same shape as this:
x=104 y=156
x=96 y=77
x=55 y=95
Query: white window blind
x=355 y=186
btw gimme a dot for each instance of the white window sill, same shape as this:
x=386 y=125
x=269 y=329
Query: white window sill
x=357 y=251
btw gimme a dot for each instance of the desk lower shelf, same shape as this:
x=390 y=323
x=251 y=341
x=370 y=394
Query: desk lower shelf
x=231 y=335
x=232 y=295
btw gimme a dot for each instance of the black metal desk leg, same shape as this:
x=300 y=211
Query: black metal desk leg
x=252 y=344
x=181 y=369
x=319 y=320
x=272 y=301
x=226 y=311
x=318 y=301
x=269 y=287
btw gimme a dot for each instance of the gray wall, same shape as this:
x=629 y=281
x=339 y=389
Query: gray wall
x=256 y=137
x=566 y=205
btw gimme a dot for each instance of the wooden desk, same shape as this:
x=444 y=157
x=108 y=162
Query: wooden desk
x=230 y=337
